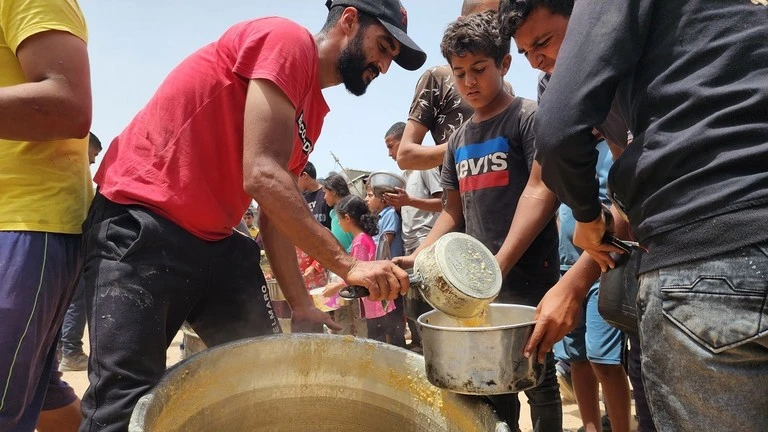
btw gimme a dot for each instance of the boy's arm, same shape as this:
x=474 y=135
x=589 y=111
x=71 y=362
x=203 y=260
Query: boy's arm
x=559 y=309
x=535 y=209
x=537 y=204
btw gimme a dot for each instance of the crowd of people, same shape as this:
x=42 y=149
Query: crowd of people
x=651 y=126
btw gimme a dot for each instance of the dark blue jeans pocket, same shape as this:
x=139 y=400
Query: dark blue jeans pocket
x=719 y=302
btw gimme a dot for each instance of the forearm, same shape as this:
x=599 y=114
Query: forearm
x=42 y=111
x=278 y=196
x=427 y=204
x=414 y=156
x=282 y=258
x=535 y=210
x=581 y=276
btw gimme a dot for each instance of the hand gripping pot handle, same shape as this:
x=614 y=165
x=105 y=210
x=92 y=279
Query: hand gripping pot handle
x=355 y=291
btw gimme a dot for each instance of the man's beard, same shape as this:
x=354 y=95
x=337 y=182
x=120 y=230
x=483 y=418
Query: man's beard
x=352 y=66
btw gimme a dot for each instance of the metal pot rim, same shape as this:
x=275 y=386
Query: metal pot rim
x=424 y=316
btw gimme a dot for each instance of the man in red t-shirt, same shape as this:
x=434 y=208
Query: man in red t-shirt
x=234 y=121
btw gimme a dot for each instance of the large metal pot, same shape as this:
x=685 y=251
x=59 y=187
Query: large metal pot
x=457 y=275
x=299 y=383
x=485 y=360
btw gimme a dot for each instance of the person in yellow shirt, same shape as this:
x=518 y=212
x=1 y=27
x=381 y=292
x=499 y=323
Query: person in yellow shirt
x=45 y=188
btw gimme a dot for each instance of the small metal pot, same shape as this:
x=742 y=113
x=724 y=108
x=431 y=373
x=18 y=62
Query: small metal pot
x=480 y=360
x=383 y=182
x=457 y=275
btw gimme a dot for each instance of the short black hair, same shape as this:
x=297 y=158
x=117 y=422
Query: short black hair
x=396 y=130
x=334 y=14
x=309 y=168
x=337 y=184
x=249 y=212
x=356 y=208
x=513 y=13
x=477 y=34
x=94 y=141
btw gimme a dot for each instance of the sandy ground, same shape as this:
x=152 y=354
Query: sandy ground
x=571 y=419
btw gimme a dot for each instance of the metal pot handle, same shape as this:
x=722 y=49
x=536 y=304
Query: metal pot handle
x=355 y=291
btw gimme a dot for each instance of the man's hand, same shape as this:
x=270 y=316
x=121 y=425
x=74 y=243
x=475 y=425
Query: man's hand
x=383 y=279
x=399 y=199
x=557 y=314
x=404 y=262
x=589 y=237
x=306 y=319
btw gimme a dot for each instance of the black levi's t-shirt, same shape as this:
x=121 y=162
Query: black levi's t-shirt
x=321 y=210
x=489 y=164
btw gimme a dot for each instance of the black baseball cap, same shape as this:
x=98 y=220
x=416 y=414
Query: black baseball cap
x=393 y=16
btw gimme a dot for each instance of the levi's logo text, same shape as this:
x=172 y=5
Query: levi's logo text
x=306 y=143
x=483 y=165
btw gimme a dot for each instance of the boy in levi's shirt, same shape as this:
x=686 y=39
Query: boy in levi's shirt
x=384 y=323
x=493 y=188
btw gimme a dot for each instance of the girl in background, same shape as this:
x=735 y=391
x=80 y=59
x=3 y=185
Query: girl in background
x=355 y=218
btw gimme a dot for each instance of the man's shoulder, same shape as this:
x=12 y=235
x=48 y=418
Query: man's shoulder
x=440 y=71
x=458 y=138
x=270 y=32
x=272 y=23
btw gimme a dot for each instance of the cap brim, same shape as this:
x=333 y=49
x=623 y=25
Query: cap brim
x=411 y=57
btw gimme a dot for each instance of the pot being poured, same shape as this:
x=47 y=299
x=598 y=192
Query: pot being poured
x=457 y=275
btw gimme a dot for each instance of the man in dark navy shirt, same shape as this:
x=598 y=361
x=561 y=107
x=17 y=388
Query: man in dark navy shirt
x=692 y=80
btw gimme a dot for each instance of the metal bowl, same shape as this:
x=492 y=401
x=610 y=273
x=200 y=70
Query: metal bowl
x=382 y=182
x=485 y=360
x=298 y=383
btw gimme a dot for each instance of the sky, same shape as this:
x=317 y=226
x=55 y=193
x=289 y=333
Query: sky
x=134 y=44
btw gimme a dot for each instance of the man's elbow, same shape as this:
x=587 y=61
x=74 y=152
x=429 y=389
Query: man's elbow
x=406 y=156
x=80 y=122
x=71 y=120
x=258 y=180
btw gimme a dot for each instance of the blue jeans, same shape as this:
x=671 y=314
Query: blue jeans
x=704 y=336
x=74 y=323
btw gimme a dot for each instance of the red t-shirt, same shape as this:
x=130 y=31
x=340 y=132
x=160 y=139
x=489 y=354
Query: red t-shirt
x=182 y=155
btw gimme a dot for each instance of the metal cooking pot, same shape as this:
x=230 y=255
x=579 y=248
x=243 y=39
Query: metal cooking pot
x=484 y=360
x=457 y=275
x=299 y=383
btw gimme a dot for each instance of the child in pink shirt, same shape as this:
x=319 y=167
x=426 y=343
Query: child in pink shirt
x=355 y=218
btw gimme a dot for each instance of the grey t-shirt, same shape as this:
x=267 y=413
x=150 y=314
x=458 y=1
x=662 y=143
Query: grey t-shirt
x=490 y=163
x=417 y=223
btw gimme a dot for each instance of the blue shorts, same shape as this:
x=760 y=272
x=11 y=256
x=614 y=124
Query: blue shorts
x=593 y=339
x=38 y=273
